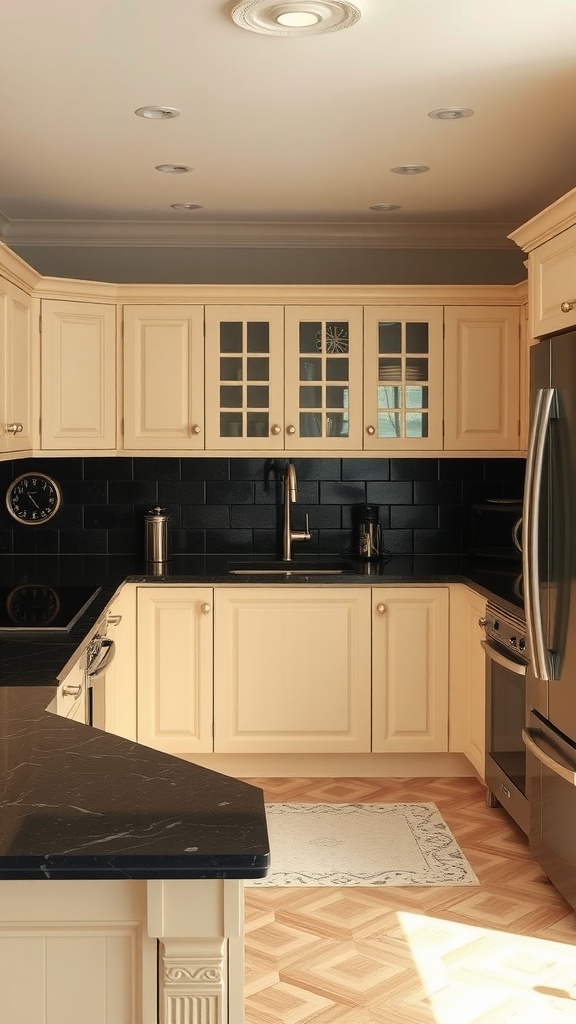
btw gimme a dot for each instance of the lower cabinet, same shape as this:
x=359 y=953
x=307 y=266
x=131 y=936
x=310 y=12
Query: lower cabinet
x=292 y=669
x=410 y=669
x=174 y=657
x=467 y=676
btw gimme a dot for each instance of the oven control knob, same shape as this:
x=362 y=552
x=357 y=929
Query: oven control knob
x=512 y=641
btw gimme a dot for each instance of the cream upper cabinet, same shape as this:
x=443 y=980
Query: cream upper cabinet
x=482 y=378
x=163 y=377
x=244 y=377
x=410 y=669
x=15 y=369
x=467 y=676
x=552 y=277
x=323 y=369
x=174 y=656
x=292 y=669
x=78 y=375
x=403 y=370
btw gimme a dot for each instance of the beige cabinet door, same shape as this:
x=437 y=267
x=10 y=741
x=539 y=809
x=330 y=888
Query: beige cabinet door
x=482 y=378
x=78 y=370
x=323 y=378
x=292 y=669
x=174 y=653
x=163 y=373
x=15 y=369
x=410 y=669
x=244 y=377
x=552 y=284
x=403 y=369
x=467 y=676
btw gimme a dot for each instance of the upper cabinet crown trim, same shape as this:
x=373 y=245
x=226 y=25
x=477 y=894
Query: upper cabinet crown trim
x=548 y=223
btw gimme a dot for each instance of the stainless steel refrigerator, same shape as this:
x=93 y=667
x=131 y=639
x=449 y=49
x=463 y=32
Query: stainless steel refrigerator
x=549 y=568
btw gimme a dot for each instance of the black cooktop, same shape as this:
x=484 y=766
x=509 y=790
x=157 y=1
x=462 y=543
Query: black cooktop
x=38 y=606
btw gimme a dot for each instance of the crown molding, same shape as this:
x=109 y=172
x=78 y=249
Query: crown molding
x=555 y=218
x=252 y=234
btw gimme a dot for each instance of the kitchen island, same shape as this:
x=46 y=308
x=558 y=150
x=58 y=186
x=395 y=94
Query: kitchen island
x=120 y=867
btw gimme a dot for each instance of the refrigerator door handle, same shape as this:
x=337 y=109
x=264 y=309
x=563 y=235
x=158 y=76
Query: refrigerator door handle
x=528 y=736
x=541 y=659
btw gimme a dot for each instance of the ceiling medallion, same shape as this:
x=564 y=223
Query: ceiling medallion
x=293 y=18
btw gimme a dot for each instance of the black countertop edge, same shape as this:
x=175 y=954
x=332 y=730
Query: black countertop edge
x=22 y=870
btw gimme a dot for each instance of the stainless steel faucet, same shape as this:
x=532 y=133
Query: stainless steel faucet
x=288 y=534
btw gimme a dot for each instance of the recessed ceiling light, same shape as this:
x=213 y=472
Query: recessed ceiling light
x=410 y=169
x=385 y=207
x=450 y=113
x=173 y=168
x=157 y=113
x=297 y=19
x=185 y=206
x=294 y=17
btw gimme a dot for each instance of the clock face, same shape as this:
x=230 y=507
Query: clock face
x=33 y=498
x=32 y=605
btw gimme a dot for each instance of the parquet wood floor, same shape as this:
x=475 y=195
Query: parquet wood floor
x=500 y=953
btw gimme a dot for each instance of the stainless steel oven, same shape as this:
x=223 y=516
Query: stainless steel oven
x=506 y=650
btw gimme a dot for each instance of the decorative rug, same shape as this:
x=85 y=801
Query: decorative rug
x=362 y=844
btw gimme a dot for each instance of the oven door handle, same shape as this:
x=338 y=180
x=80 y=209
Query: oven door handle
x=528 y=736
x=502 y=660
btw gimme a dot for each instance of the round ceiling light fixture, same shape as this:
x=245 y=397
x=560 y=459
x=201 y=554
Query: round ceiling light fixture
x=450 y=113
x=157 y=113
x=185 y=206
x=173 y=168
x=294 y=17
x=410 y=169
x=385 y=207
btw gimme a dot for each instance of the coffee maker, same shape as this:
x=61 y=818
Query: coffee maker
x=369 y=533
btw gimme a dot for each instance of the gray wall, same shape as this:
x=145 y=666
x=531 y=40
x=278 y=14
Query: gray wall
x=181 y=265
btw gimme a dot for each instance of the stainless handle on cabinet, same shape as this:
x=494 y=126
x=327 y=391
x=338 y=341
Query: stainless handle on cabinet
x=72 y=691
x=196 y=429
x=546 y=759
x=13 y=428
x=291 y=429
x=371 y=430
x=275 y=429
x=381 y=608
x=114 y=620
x=205 y=608
x=101 y=658
x=567 y=307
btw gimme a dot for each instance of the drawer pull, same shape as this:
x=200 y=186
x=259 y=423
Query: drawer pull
x=381 y=608
x=13 y=428
x=567 y=307
x=196 y=429
x=205 y=608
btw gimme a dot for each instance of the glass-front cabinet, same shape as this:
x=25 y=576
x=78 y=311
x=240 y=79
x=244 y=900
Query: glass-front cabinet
x=323 y=365
x=244 y=377
x=403 y=377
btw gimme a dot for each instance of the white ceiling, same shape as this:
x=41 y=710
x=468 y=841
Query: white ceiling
x=290 y=139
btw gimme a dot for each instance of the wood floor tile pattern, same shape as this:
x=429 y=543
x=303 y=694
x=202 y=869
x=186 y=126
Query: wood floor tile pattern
x=500 y=953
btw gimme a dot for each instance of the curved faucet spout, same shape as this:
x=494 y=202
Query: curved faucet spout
x=288 y=534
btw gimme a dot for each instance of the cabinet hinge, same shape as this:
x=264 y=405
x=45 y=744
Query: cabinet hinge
x=40 y=324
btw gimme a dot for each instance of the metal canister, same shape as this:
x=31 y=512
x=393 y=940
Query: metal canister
x=157 y=535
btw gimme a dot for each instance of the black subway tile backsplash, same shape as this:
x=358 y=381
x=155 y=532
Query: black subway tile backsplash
x=233 y=505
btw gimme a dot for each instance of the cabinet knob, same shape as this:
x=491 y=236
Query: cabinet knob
x=291 y=429
x=13 y=428
x=205 y=608
x=566 y=307
x=275 y=429
x=371 y=430
x=381 y=608
x=196 y=429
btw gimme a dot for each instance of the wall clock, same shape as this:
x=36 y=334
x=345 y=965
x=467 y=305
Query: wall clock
x=32 y=605
x=33 y=498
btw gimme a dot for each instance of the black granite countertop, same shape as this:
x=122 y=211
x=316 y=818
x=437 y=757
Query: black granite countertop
x=79 y=803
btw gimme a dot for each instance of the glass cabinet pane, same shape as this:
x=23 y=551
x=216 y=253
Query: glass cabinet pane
x=244 y=407
x=403 y=357
x=324 y=359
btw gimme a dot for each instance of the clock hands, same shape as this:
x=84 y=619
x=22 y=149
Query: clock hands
x=30 y=493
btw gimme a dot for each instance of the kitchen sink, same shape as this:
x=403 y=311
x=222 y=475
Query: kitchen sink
x=296 y=567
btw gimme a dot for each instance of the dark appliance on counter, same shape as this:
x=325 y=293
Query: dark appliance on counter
x=549 y=567
x=495 y=529
x=507 y=659
x=33 y=607
x=369 y=533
